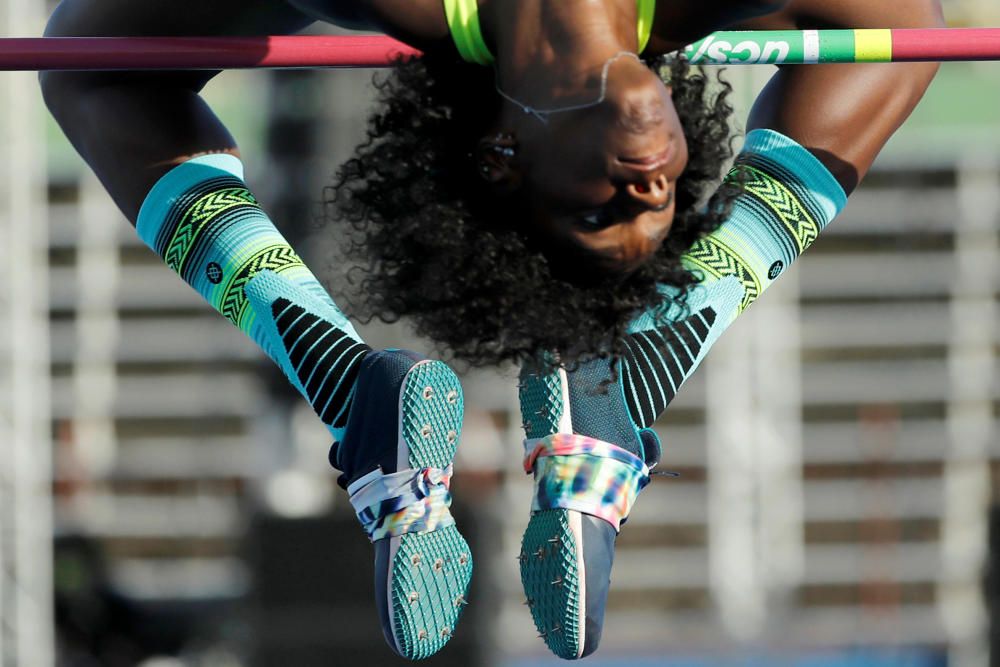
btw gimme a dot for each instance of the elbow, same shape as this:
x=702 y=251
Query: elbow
x=933 y=15
x=921 y=14
x=918 y=76
x=919 y=80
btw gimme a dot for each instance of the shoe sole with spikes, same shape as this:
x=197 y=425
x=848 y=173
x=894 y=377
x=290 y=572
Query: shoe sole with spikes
x=429 y=573
x=566 y=556
x=554 y=580
x=552 y=569
x=407 y=416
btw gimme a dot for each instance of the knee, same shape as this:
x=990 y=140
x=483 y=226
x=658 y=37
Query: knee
x=932 y=15
x=57 y=90
x=65 y=93
x=60 y=87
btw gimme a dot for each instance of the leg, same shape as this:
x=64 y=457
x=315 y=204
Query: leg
x=173 y=168
x=585 y=490
x=132 y=127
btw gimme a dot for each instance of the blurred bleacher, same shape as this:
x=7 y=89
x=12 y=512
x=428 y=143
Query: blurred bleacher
x=885 y=314
x=838 y=452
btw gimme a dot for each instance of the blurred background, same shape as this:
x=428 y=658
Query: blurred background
x=165 y=498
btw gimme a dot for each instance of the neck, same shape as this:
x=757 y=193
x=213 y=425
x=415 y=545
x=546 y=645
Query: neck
x=551 y=52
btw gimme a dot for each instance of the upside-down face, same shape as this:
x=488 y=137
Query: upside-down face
x=598 y=183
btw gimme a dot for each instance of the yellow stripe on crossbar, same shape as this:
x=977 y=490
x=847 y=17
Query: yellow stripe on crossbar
x=873 y=46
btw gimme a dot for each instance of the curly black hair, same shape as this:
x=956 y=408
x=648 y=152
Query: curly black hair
x=436 y=246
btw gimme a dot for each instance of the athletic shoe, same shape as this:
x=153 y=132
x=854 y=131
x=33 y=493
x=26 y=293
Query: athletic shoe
x=589 y=461
x=396 y=459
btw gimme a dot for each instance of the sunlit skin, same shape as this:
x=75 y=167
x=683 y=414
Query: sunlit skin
x=592 y=181
x=597 y=183
x=608 y=200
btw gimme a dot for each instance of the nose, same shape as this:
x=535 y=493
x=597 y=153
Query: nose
x=651 y=190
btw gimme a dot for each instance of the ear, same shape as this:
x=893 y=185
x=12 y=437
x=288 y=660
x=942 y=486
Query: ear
x=498 y=161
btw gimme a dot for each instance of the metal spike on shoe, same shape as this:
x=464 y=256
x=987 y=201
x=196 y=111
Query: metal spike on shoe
x=554 y=585
x=428 y=572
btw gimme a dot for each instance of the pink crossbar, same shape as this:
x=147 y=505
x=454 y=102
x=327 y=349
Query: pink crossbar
x=299 y=51
x=122 y=53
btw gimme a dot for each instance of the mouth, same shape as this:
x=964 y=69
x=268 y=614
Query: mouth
x=648 y=162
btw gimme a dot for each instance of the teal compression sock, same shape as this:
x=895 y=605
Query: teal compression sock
x=788 y=198
x=204 y=223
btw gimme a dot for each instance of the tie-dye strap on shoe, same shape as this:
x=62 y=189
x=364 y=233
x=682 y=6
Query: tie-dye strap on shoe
x=409 y=501
x=580 y=473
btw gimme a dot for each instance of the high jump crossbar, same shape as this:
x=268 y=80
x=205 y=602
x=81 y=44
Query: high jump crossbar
x=782 y=47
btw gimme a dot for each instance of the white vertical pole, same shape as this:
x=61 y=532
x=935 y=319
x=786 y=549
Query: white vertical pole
x=733 y=512
x=754 y=427
x=967 y=486
x=26 y=634
x=97 y=328
x=778 y=436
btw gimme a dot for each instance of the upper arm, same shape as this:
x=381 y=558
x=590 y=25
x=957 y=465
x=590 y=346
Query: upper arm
x=844 y=113
x=820 y=14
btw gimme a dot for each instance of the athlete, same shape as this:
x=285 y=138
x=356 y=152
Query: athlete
x=175 y=171
x=813 y=134
x=551 y=216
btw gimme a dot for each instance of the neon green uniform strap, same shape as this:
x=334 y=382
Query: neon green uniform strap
x=645 y=24
x=463 y=22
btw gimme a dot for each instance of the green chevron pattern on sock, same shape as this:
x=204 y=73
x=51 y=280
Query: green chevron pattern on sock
x=208 y=228
x=788 y=198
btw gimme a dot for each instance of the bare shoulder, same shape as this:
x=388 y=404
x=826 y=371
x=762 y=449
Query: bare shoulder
x=803 y=14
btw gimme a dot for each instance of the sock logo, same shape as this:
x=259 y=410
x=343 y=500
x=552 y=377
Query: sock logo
x=214 y=273
x=775 y=270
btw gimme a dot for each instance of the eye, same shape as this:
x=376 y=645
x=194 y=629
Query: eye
x=595 y=219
